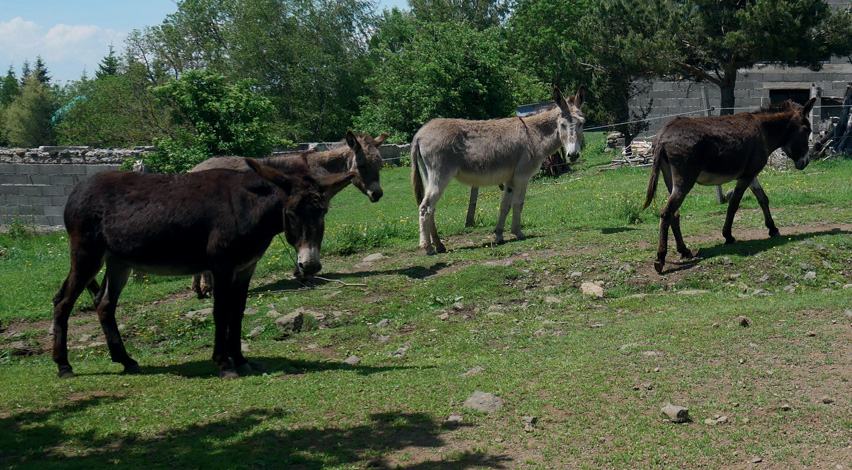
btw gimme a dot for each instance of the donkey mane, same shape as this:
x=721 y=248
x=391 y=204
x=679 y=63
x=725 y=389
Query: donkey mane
x=786 y=106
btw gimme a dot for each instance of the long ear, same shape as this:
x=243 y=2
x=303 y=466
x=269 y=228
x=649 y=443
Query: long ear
x=579 y=97
x=380 y=139
x=334 y=183
x=352 y=141
x=810 y=104
x=272 y=175
x=558 y=98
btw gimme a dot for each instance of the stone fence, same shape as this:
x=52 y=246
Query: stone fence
x=35 y=183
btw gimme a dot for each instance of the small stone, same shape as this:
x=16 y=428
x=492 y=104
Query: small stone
x=810 y=275
x=827 y=399
x=552 y=300
x=743 y=321
x=763 y=278
x=786 y=407
x=505 y=262
x=710 y=422
x=756 y=460
x=790 y=289
x=745 y=420
x=498 y=440
x=373 y=257
x=250 y=311
x=473 y=371
x=594 y=290
x=810 y=334
x=255 y=331
x=458 y=306
x=291 y=322
x=383 y=322
x=455 y=419
x=444 y=316
x=576 y=274
x=721 y=420
x=484 y=402
x=272 y=313
x=693 y=292
x=676 y=414
x=529 y=422
x=539 y=332
x=352 y=361
x=726 y=260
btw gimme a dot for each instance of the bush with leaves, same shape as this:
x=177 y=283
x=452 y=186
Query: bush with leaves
x=215 y=118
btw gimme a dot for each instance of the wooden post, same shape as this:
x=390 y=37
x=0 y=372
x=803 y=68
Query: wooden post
x=471 y=207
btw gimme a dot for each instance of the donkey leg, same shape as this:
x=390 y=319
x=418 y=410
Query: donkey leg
x=763 y=200
x=116 y=278
x=685 y=252
x=517 y=208
x=85 y=264
x=202 y=285
x=223 y=305
x=505 y=205
x=239 y=294
x=429 y=239
x=733 y=205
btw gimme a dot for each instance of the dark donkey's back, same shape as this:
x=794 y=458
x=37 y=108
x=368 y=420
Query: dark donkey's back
x=220 y=221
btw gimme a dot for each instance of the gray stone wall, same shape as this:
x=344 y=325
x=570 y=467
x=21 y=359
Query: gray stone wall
x=753 y=90
x=35 y=183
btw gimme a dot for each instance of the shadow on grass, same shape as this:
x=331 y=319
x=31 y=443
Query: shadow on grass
x=255 y=438
x=744 y=248
x=614 y=230
x=207 y=369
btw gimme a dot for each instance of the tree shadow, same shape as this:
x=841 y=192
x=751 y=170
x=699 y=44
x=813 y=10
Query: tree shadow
x=255 y=438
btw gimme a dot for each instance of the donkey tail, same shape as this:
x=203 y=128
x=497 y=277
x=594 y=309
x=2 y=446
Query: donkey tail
x=416 y=180
x=655 y=175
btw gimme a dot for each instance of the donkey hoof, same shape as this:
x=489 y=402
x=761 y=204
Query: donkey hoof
x=658 y=266
x=774 y=233
x=132 y=369
x=430 y=251
x=440 y=248
x=66 y=373
x=686 y=254
x=244 y=369
x=520 y=235
x=229 y=374
x=729 y=240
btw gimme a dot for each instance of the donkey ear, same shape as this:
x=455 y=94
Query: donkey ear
x=557 y=96
x=579 y=97
x=380 y=139
x=334 y=183
x=352 y=141
x=271 y=174
x=810 y=104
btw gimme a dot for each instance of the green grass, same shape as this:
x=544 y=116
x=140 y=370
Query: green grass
x=595 y=372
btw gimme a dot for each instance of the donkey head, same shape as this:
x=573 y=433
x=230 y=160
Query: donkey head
x=799 y=131
x=304 y=210
x=570 y=121
x=366 y=163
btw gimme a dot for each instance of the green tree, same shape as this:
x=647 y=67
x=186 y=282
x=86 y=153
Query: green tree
x=216 y=118
x=443 y=70
x=306 y=56
x=481 y=14
x=109 y=66
x=112 y=111
x=710 y=40
x=40 y=71
x=9 y=88
x=28 y=117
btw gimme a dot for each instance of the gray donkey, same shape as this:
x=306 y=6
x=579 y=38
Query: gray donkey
x=506 y=152
x=357 y=153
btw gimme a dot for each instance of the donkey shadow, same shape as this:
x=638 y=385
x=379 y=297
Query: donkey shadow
x=747 y=248
x=200 y=369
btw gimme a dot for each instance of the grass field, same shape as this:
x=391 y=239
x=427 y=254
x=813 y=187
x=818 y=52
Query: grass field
x=393 y=347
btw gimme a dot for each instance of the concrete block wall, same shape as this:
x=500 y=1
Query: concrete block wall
x=670 y=98
x=36 y=193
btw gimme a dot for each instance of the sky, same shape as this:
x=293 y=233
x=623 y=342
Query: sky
x=71 y=36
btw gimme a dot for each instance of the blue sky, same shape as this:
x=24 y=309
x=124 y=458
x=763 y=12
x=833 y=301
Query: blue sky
x=75 y=35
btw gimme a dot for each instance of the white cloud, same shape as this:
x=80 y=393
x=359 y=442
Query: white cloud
x=65 y=49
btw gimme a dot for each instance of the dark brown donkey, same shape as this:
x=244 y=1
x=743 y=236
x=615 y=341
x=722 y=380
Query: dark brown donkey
x=358 y=153
x=219 y=220
x=716 y=150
